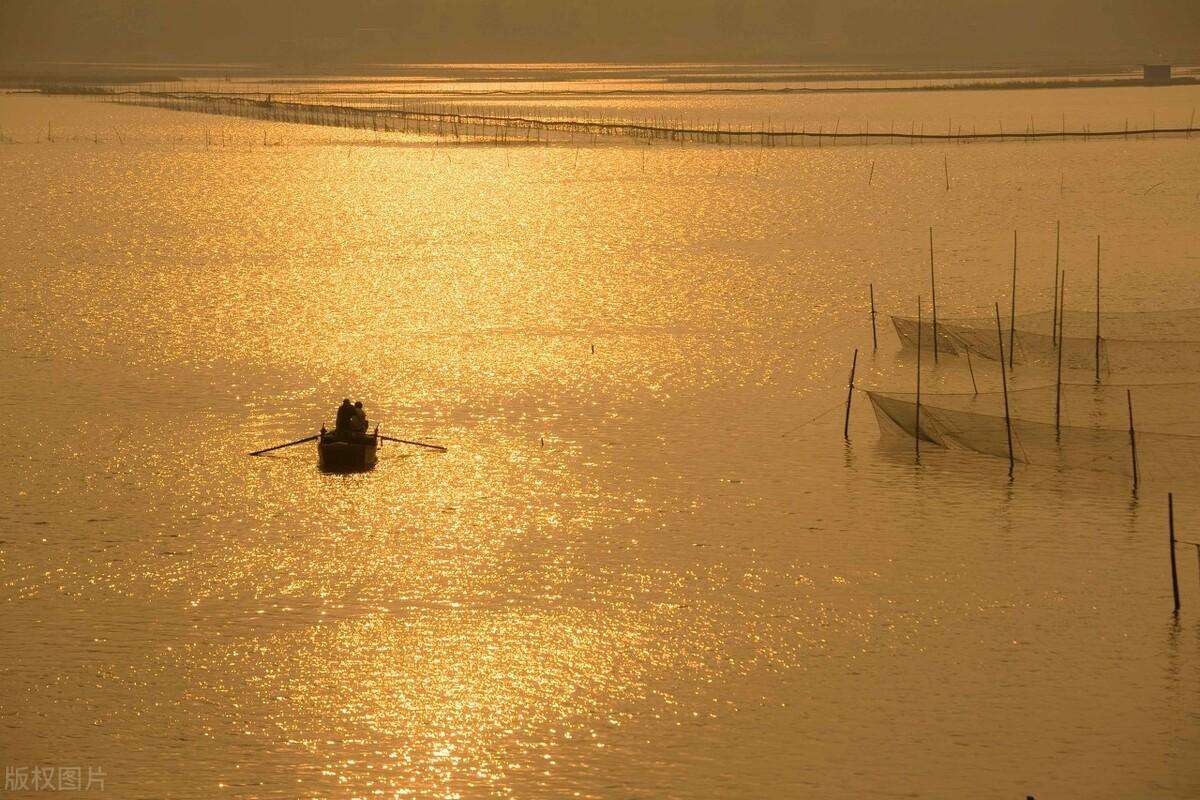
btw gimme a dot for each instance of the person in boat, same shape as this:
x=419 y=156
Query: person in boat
x=360 y=418
x=345 y=417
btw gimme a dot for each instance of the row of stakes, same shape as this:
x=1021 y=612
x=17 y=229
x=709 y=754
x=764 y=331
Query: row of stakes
x=1060 y=279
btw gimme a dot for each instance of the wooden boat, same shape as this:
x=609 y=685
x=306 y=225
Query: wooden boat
x=347 y=452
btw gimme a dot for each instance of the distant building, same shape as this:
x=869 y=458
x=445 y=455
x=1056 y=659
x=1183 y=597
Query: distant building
x=1156 y=73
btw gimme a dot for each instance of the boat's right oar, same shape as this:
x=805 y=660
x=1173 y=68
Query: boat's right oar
x=289 y=444
x=437 y=447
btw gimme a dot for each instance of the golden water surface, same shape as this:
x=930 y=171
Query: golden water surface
x=648 y=565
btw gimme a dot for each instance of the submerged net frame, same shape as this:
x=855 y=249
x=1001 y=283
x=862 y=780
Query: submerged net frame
x=1161 y=341
x=1093 y=431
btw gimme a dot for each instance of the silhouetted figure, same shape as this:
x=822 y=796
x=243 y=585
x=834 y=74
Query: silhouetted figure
x=360 y=418
x=346 y=414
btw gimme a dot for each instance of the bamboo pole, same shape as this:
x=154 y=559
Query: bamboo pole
x=971 y=369
x=1132 y=438
x=1054 y=299
x=850 y=395
x=1171 y=527
x=1004 y=385
x=1062 y=289
x=1097 y=309
x=874 y=335
x=1012 y=320
x=917 y=419
x=933 y=291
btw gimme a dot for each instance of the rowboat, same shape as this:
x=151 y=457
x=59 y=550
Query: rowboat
x=347 y=452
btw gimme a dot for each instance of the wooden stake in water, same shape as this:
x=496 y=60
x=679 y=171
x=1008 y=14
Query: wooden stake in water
x=1097 y=309
x=1012 y=317
x=850 y=395
x=1132 y=438
x=1054 y=298
x=1171 y=527
x=1004 y=385
x=917 y=418
x=971 y=369
x=874 y=335
x=933 y=290
x=946 y=164
x=1062 y=296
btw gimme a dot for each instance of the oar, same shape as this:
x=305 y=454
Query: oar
x=289 y=444
x=437 y=447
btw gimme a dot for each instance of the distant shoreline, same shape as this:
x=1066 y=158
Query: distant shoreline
x=100 y=87
x=796 y=76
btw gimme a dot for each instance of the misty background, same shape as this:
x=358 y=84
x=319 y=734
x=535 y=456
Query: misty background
x=321 y=32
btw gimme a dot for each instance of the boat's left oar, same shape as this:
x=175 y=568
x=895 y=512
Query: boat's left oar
x=289 y=444
x=437 y=447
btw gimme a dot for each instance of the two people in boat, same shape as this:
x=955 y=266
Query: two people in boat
x=351 y=418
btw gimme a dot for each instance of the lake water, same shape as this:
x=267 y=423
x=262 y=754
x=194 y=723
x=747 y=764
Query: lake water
x=648 y=566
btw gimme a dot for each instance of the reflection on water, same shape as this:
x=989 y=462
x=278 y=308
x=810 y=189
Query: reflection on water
x=651 y=567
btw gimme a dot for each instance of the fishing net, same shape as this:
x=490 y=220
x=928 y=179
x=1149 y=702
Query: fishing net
x=1154 y=341
x=1092 y=433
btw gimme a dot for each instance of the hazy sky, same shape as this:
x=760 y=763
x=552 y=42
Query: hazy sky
x=313 y=31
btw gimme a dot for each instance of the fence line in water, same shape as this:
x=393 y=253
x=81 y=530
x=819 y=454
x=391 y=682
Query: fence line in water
x=457 y=124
